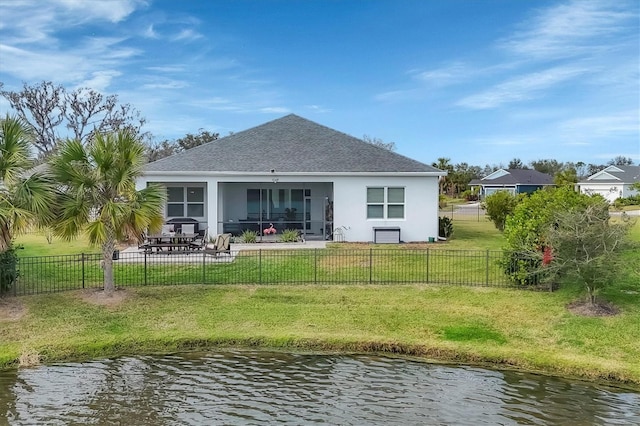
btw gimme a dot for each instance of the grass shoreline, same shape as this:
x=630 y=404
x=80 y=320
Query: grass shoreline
x=489 y=327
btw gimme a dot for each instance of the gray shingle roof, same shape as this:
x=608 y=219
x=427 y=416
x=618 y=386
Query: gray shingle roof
x=629 y=174
x=520 y=177
x=290 y=144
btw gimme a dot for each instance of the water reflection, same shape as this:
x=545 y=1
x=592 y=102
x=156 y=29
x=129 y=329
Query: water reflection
x=246 y=387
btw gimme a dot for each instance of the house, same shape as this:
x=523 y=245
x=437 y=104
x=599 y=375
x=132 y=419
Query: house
x=516 y=181
x=293 y=173
x=612 y=182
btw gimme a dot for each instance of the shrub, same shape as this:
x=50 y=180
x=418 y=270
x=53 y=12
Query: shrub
x=445 y=226
x=634 y=200
x=249 y=236
x=499 y=206
x=442 y=201
x=289 y=236
x=471 y=194
x=525 y=228
x=587 y=246
x=8 y=269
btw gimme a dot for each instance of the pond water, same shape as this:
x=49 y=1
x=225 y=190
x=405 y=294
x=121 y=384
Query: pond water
x=255 y=387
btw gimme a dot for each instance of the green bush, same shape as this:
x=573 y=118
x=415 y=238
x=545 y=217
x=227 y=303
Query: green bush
x=442 y=201
x=471 y=194
x=499 y=206
x=249 y=236
x=634 y=200
x=8 y=269
x=522 y=269
x=445 y=227
x=289 y=236
x=525 y=228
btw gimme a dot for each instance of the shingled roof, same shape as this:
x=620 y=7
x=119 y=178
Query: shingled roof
x=615 y=174
x=516 y=177
x=290 y=144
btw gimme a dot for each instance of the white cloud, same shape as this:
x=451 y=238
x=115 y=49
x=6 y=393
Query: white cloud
x=168 y=68
x=399 y=95
x=520 y=88
x=27 y=65
x=634 y=155
x=572 y=28
x=31 y=49
x=317 y=108
x=187 y=35
x=74 y=65
x=274 y=110
x=601 y=127
x=445 y=76
x=100 y=80
x=171 y=84
x=150 y=32
x=110 y=10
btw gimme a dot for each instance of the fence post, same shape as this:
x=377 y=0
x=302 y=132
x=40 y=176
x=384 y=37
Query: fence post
x=478 y=212
x=487 y=269
x=145 y=268
x=315 y=266
x=82 y=258
x=427 y=277
x=370 y=265
x=204 y=269
x=260 y=266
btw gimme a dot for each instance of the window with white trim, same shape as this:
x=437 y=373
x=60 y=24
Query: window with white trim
x=385 y=202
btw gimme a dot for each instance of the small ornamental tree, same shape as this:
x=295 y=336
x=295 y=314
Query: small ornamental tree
x=585 y=245
x=498 y=206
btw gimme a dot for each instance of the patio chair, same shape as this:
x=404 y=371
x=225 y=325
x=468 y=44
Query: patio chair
x=199 y=242
x=222 y=244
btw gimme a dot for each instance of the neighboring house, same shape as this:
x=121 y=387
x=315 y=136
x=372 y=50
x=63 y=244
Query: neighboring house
x=516 y=181
x=612 y=182
x=296 y=174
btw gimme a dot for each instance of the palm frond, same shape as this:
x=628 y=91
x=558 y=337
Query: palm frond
x=15 y=156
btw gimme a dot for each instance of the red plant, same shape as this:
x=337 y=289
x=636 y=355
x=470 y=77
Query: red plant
x=547 y=255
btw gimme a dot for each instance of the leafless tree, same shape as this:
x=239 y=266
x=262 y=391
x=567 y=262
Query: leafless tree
x=55 y=113
x=391 y=146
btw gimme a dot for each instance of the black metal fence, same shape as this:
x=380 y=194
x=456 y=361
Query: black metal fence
x=464 y=212
x=307 y=266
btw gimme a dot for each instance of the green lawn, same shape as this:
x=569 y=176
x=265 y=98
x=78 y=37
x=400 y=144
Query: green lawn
x=508 y=327
x=36 y=244
x=511 y=328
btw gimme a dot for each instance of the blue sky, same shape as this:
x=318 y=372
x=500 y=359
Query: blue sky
x=475 y=81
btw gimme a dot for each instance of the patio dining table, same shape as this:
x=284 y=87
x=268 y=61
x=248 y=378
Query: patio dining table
x=172 y=241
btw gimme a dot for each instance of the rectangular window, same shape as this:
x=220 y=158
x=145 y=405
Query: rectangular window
x=195 y=201
x=185 y=201
x=385 y=203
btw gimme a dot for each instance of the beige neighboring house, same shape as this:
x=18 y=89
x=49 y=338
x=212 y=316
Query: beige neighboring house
x=612 y=183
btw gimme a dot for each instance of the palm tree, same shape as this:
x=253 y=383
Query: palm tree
x=97 y=194
x=25 y=197
x=445 y=181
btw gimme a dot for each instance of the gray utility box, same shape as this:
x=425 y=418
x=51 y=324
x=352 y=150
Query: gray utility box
x=386 y=235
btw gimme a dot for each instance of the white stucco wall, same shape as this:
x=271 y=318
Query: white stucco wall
x=349 y=198
x=421 y=207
